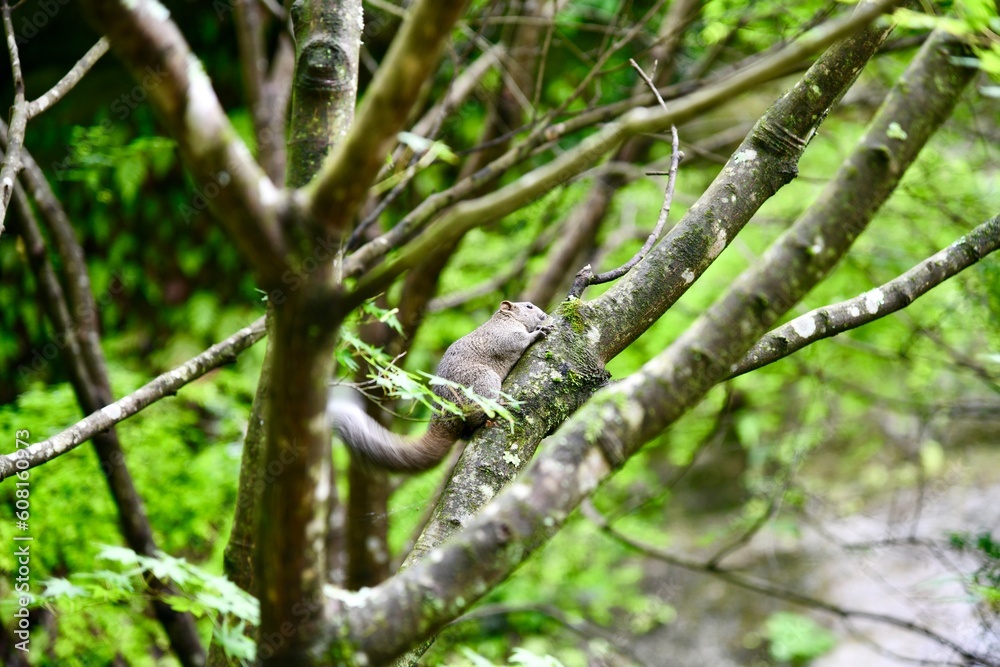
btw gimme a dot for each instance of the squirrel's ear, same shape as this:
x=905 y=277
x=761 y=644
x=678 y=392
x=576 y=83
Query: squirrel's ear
x=506 y=305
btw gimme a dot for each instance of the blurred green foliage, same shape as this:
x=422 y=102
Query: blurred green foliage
x=183 y=454
x=796 y=639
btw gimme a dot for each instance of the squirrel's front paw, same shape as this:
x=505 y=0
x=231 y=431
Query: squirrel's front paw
x=546 y=328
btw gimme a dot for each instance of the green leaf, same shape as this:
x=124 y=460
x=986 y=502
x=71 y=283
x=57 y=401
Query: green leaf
x=796 y=638
x=120 y=555
x=235 y=643
x=63 y=588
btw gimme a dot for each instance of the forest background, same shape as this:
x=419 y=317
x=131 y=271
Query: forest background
x=834 y=506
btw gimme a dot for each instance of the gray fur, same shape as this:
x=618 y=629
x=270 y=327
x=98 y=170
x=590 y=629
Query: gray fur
x=480 y=360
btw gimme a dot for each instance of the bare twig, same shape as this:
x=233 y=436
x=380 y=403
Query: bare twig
x=66 y=84
x=874 y=304
x=585 y=278
x=164 y=385
x=770 y=590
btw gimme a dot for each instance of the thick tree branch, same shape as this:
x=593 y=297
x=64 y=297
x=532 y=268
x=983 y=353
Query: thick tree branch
x=164 y=385
x=11 y=164
x=325 y=86
x=384 y=621
x=338 y=189
x=290 y=560
x=152 y=48
x=534 y=382
x=874 y=304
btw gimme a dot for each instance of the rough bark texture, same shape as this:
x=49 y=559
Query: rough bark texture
x=291 y=560
x=327 y=35
x=238 y=557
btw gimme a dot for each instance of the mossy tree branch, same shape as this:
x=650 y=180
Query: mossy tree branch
x=619 y=419
x=600 y=437
x=829 y=321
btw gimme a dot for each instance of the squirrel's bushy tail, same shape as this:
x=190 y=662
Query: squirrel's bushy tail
x=374 y=443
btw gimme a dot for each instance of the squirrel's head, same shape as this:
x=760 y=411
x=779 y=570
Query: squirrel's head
x=523 y=311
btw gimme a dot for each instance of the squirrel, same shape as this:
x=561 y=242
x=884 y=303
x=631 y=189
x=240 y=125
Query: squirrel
x=479 y=360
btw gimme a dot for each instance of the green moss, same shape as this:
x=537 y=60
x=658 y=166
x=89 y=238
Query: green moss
x=569 y=310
